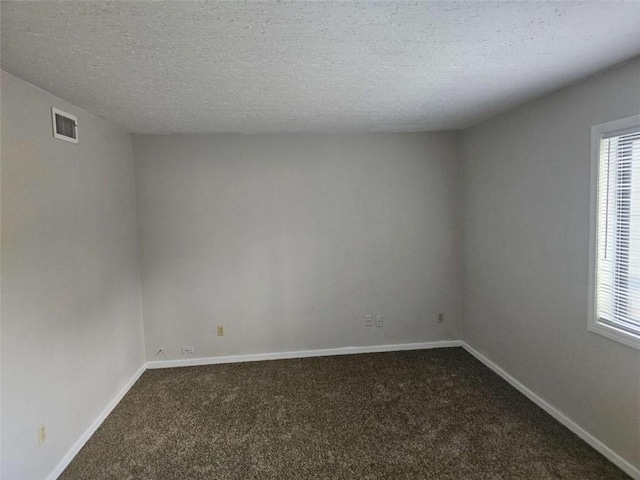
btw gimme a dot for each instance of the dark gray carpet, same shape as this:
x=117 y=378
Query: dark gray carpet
x=431 y=414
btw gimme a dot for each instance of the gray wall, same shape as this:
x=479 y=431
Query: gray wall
x=71 y=305
x=289 y=240
x=525 y=187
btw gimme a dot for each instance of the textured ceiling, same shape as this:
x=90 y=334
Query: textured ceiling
x=161 y=67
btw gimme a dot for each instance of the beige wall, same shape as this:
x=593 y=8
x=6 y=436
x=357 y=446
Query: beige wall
x=525 y=188
x=289 y=240
x=71 y=303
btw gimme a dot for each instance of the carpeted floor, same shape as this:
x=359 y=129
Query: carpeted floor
x=431 y=414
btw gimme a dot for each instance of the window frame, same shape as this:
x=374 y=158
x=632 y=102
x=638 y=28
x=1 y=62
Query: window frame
x=593 y=323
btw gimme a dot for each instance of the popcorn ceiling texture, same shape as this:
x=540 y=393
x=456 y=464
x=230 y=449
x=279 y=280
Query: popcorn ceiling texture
x=189 y=67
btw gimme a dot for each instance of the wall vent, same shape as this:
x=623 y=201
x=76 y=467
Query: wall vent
x=65 y=125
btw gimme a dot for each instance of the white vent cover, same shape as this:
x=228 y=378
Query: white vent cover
x=65 y=125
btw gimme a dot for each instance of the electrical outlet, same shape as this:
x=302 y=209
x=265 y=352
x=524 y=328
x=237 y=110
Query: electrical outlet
x=186 y=350
x=368 y=320
x=440 y=317
x=378 y=320
x=220 y=330
x=42 y=433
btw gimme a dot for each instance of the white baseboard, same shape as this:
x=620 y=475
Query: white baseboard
x=255 y=357
x=550 y=409
x=75 y=448
x=616 y=459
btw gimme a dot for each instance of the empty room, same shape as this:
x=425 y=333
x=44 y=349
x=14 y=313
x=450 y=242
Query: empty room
x=284 y=240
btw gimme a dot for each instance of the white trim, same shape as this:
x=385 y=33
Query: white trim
x=256 y=357
x=550 y=409
x=593 y=324
x=611 y=332
x=75 y=448
x=55 y=111
x=616 y=459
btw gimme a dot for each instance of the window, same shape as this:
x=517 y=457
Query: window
x=615 y=231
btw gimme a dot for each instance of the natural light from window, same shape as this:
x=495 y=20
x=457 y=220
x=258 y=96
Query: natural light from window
x=617 y=232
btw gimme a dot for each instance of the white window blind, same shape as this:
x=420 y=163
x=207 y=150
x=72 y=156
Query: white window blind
x=618 y=231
